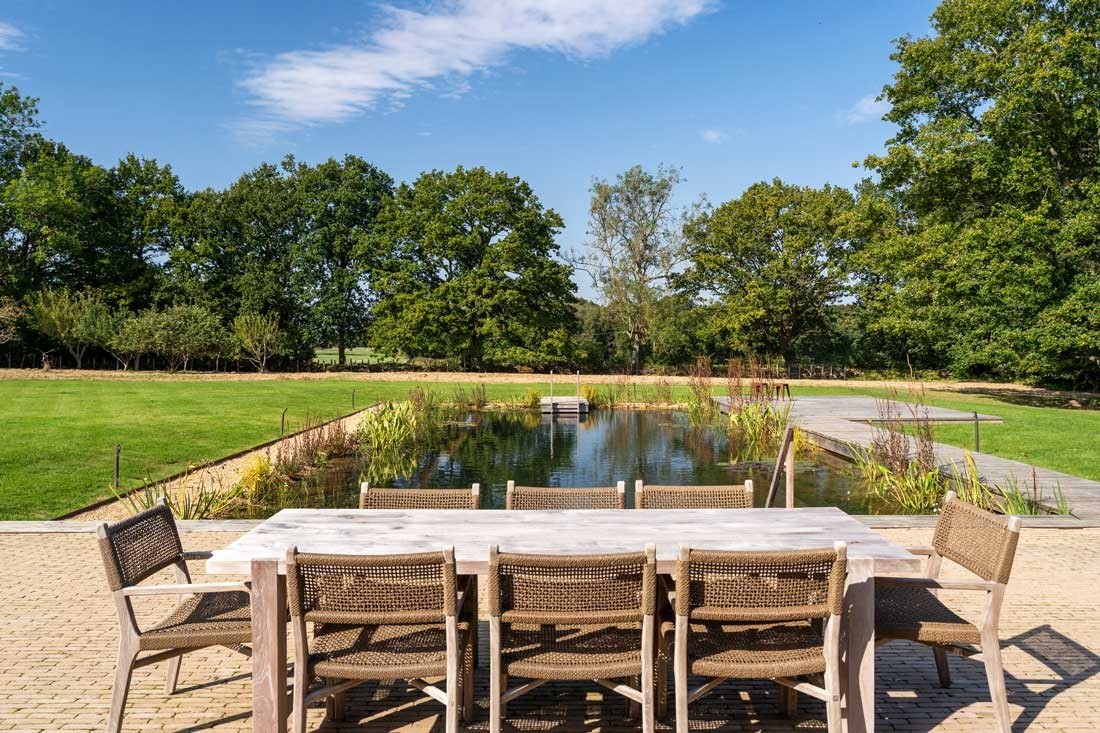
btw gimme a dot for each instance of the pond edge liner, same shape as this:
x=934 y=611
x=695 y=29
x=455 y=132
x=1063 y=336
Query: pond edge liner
x=206 y=464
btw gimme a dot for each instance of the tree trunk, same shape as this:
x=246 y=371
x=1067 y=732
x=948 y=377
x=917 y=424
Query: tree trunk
x=341 y=358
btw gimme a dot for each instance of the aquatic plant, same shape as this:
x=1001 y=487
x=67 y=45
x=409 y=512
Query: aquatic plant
x=189 y=495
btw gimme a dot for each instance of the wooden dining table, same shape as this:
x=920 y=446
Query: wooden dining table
x=260 y=555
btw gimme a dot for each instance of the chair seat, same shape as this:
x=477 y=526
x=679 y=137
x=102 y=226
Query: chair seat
x=752 y=651
x=204 y=619
x=582 y=652
x=390 y=652
x=907 y=612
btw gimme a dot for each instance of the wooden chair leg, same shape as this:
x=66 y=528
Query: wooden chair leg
x=453 y=687
x=995 y=674
x=496 y=676
x=680 y=673
x=298 y=711
x=173 y=675
x=663 y=661
x=468 y=682
x=942 y=668
x=788 y=702
x=336 y=707
x=649 y=718
x=124 y=672
x=634 y=708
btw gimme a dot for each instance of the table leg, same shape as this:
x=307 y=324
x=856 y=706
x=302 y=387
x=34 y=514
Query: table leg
x=269 y=698
x=858 y=644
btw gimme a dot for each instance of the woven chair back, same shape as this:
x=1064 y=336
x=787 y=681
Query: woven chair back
x=535 y=497
x=139 y=546
x=693 y=497
x=418 y=499
x=760 y=587
x=582 y=589
x=371 y=589
x=980 y=541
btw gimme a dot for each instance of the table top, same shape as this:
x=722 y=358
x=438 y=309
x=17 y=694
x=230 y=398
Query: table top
x=470 y=532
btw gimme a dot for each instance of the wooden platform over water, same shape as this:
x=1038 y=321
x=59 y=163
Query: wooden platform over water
x=842 y=424
x=574 y=405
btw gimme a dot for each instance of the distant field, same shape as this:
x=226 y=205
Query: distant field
x=359 y=355
x=59 y=434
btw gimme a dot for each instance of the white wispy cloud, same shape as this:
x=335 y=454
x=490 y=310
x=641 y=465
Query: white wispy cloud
x=444 y=45
x=713 y=136
x=867 y=108
x=9 y=37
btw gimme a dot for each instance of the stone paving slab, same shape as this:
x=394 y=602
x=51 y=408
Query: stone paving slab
x=58 y=636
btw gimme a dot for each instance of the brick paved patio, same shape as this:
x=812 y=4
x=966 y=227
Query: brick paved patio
x=58 y=634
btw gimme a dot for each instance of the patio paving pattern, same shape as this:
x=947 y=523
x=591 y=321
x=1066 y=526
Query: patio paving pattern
x=58 y=637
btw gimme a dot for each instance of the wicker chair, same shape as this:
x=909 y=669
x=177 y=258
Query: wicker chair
x=375 y=498
x=909 y=609
x=693 y=497
x=206 y=614
x=572 y=617
x=538 y=497
x=379 y=617
x=758 y=615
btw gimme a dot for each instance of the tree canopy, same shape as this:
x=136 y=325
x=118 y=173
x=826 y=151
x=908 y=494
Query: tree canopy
x=988 y=259
x=469 y=272
x=774 y=262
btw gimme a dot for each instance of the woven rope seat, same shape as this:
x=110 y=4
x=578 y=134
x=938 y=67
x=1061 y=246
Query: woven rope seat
x=382 y=652
x=753 y=651
x=572 y=652
x=205 y=619
x=541 y=498
x=917 y=615
x=693 y=497
x=418 y=499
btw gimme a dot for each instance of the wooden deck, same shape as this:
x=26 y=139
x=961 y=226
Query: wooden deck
x=839 y=423
x=567 y=405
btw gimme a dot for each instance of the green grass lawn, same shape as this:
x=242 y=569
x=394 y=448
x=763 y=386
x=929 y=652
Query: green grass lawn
x=57 y=454
x=1060 y=439
x=358 y=355
x=59 y=435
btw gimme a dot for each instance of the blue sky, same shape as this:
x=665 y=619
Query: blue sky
x=556 y=91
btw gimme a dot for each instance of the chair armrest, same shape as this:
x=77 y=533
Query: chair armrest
x=921 y=550
x=198 y=555
x=185 y=589
x=983 y=585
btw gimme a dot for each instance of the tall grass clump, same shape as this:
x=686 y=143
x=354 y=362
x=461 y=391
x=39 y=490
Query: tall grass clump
x=392 y=436
x=702 y=409
x=756 y=429
x=190 y=495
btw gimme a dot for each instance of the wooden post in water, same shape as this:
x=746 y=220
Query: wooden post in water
x=789 y=470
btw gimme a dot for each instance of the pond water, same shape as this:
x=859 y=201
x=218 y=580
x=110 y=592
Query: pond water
x=607 y=446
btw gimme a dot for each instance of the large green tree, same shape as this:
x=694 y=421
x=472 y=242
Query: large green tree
x=234 y=251
x=334 y=258
x=634 y=248
x=987 y=254
x=470 y=272
x=773 y=260
x=76 y=225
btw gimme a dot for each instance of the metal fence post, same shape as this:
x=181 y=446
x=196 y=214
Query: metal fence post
x=977 y=435
x=282 y=422
x=118 y=450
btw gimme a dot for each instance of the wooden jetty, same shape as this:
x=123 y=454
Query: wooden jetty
x=572 y=405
